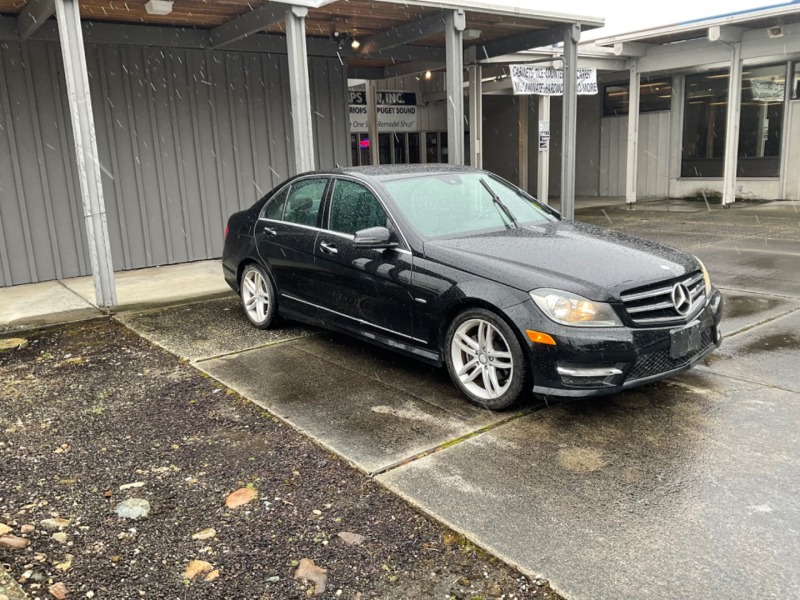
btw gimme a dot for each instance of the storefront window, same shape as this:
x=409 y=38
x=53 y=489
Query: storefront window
x=654 y=94
x=385 y=148
x=432 y=147
x=760 y=125
x=399 y=142
x=443 y=146
x=796 y=82
x=413 y=148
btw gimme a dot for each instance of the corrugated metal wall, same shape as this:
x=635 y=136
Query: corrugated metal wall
x=652 y=180
x=185 y=137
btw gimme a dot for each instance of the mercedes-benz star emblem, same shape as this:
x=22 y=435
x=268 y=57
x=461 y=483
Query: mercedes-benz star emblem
x=681 y=299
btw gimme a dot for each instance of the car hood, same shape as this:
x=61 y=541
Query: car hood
x=592 y=261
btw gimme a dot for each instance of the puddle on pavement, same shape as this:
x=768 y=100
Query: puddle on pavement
x=738 y=306
x=771 y=343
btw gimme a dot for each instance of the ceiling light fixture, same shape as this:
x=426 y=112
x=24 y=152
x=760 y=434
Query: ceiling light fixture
x=428 y=75
x=158 y=7
x=355 y=44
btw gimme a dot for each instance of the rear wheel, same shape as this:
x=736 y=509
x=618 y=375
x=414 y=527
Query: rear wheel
x=485 y=360
x=258 y=296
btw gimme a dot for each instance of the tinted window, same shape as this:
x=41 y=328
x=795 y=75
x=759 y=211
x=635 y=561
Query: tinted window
x=654 y=95
x=355 y=208
x=305 y=198
x=274 y=209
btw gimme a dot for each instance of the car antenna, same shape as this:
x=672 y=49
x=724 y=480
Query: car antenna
x=498 y=202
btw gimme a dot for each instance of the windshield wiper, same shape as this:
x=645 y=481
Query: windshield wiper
x=498 y=202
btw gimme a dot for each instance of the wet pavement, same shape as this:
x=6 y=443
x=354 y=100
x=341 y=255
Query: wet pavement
x=686 y=488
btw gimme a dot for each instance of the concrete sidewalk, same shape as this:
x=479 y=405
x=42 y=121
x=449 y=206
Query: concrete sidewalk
x=52 y=302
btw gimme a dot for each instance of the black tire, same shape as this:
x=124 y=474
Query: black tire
x=259 y=278
x=514 y=383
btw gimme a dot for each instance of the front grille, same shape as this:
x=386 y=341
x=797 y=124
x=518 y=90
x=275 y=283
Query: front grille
x=652 y=305
x=661 y=362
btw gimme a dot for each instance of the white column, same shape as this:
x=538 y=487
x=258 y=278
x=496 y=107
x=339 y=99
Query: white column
x=89 y=176
x=372 y=122
x=300 y=90
x=543 y=165
x=675 y=130
x=631 y=177
x=475 y=117
x=732 y=127
x=455 y=22
x=523 y=141
x=572 y=35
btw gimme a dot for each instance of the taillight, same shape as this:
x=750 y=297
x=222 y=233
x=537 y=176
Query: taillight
x=227 y=229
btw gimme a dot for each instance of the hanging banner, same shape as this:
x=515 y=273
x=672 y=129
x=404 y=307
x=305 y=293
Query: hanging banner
x=397 y=111
x=546 y=81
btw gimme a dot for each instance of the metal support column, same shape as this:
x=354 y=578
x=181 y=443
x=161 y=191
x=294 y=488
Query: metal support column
x=785 y=130
x=523 y=141
x=455 y=23
x=543 y=165
x=632 y=172
x=89 y=176
x=300 y=89
x=572 y=35
x=372 y=122
x=732 y=128
x=475 y=117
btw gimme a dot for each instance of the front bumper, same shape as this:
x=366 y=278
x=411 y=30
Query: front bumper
x=595 y=362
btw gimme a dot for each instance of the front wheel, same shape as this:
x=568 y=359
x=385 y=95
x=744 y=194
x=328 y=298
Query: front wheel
x=258 y=296
x=485 y=360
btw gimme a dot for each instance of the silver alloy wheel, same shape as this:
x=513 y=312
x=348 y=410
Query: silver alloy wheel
x=255 y=295
x=482 y=359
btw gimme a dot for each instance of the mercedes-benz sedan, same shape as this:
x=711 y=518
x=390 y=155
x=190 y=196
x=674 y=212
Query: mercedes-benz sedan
x=457 y=267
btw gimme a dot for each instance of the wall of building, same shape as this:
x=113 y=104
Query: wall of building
x=793 y=151
x=185 y=138
x=431 y=110
x=653 y=155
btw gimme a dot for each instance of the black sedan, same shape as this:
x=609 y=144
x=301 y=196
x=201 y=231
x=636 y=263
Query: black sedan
x=457 y=267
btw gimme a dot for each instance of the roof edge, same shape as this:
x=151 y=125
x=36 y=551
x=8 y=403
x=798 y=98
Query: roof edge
x=699 y=24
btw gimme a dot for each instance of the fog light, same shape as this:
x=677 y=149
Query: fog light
x=588 y=376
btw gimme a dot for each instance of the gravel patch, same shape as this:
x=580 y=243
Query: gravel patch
x=238 y=503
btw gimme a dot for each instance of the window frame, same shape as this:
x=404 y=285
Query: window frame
x=717 y=163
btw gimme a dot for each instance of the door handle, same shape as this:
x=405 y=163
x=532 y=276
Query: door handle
x=328 y=248
x=269 y=230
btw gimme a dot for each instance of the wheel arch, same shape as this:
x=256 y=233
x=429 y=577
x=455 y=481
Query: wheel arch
x=468 y=303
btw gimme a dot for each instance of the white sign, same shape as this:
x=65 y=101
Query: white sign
x=397 y=111
x=546 y=81
x=768 y=91
x=544 y=135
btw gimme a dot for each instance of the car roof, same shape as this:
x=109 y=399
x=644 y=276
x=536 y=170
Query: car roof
x=392 y=172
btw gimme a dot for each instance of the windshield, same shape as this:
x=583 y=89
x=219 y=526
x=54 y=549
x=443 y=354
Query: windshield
x=449 y=204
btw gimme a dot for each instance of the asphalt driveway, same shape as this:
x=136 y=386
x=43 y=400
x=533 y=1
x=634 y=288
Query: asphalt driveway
x=685 y=488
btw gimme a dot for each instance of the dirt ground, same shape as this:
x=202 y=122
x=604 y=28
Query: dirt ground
x=89 y=408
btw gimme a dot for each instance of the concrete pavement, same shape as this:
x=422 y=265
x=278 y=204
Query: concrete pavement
x=687 y=488
x=52 y=302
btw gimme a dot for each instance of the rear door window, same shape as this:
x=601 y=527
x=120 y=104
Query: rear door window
x=304 y=201
x=354 y=208
x=274 y=208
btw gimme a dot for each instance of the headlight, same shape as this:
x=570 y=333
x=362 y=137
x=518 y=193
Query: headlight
x=706 y=277
x=576 y=311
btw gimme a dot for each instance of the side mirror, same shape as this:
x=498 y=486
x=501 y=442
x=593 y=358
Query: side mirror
x=374 y=237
